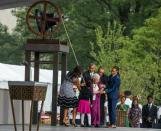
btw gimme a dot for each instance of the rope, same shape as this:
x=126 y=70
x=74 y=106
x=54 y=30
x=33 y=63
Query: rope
x=70 y=43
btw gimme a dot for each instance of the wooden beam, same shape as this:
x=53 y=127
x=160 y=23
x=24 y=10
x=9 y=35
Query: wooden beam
x=55 y=89
x=27 y=65
x=47 y=48
x=46 y=41
x=36 y=78
x=63 y=74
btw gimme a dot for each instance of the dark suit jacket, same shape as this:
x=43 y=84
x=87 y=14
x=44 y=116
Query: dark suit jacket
x=112 y=89
x=104 y=79
x=87 y=78
x=146 y=113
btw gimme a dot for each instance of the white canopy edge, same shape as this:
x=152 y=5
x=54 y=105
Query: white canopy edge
x=10 y=72
x=6 y=4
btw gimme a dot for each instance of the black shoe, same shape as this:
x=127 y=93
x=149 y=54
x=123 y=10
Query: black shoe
x=86 y=125
x=102 y=126
x=82 y=125
x=97 y=126
x=89 y=126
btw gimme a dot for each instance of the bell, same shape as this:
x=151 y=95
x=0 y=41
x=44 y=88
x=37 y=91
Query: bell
x=38 y=17
x=51 y=20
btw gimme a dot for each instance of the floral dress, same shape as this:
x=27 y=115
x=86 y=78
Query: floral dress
x=134 y=116
x=67 y=96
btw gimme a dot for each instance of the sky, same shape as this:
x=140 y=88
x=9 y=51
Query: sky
x=6 y=18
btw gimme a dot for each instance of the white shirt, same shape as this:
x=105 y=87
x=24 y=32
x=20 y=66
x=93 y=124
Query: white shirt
x=128 y=102
x=91 y=74
x=159 y=113
x=141 y=107
x=150 y=105
x=95 y=89
x=106 y=113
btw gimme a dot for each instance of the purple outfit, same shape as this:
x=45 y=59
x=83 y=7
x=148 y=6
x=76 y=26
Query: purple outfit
x=84 y=107
x=95 y=110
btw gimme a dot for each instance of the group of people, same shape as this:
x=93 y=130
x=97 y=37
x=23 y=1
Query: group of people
x=88 y=92
x=93 y=87
x=137 y=115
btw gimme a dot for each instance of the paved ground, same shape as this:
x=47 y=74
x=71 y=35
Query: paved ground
x=48 y=128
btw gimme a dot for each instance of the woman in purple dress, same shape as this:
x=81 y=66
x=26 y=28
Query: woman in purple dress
x=95 y=109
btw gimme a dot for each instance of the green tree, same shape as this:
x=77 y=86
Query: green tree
x=10 y=50
x=147 y=49
x=138 y=57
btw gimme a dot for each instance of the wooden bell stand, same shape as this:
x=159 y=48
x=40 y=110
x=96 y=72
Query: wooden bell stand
x=59 y=50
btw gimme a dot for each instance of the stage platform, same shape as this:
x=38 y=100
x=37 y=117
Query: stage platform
x=49 y=128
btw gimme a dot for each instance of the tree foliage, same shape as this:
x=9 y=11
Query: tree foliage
x=10 y=48
x=138 y=57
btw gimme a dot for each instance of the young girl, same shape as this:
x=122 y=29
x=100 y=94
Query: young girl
x=85 y=98
x=135 y=114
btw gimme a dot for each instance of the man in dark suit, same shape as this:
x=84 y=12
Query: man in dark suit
x=149 y=113
x=87 y=76
x=112 y=91
x=103 y=80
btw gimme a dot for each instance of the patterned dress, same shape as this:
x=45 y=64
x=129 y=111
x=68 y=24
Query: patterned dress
x=67 y=97
x=124 y=107
x=134 y=116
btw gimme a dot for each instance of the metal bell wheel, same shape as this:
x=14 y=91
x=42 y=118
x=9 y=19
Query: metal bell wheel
x=43 y=18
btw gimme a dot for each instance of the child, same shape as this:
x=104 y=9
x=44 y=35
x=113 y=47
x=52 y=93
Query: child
x=135 y=114
x=122 y=107
x=85 y=98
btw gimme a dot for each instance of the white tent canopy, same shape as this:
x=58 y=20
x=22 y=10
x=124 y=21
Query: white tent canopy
x=5 y=4
x=17 y=73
